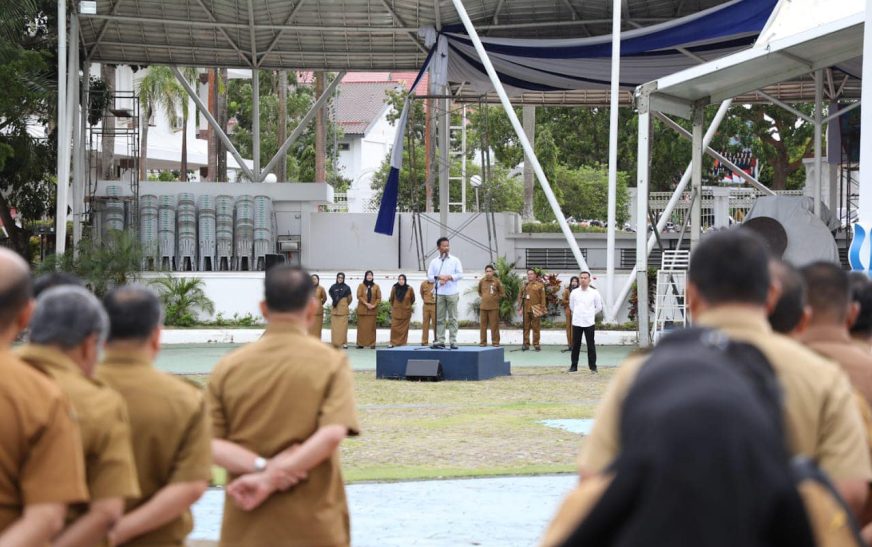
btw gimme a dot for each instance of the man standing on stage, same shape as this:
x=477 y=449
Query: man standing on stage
x=584 y=302
x=445 y=271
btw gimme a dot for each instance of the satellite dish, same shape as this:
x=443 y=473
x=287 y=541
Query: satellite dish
x=270 y=178
x=475 y=181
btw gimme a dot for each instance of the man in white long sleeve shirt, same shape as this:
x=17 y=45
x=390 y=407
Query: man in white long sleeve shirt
x=444 y=272
x=585 y=302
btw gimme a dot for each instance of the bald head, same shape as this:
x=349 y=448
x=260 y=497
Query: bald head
x=15 y=287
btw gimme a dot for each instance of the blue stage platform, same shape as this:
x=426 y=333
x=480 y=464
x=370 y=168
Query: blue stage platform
x=465 y=363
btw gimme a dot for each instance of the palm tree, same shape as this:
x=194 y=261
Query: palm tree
x=158 y=89
x=181 y=298
x=192 y=75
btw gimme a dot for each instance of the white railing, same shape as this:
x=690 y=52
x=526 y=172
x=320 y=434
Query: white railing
x=340 y=203
x=721 y=207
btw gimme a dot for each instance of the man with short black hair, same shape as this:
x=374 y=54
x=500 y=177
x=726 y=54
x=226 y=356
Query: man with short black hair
x=280 y=408
x=790 y=315
x=585 y=302
x=172 y=441
x=41 y=465
x=67 y=331
x=49 y=280
x=445 y=271
x=861 y=295
x=729 y=288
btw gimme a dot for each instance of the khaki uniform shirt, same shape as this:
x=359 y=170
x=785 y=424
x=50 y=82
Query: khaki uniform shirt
x=402 y=310
x=172 y=434
x=564 y=300
x=270 y=395
x=491 y=292
x=341 y=306
x=40 y=447
x=361 y=298
x=426 y=292
x=533 y=294
x=821 y=418
x=109 y=466
x=321 y=295
x=835 y=343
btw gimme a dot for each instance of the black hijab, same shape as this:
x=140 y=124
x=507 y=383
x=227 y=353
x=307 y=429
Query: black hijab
x=577 y=282
x=368 y=284
x=400 y=290
x=703 y=463
x=339 y=290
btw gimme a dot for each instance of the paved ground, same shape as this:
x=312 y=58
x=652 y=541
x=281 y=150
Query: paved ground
x=200 y=358
x=498 y=512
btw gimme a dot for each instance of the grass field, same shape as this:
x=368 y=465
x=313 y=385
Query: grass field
x=413 y=430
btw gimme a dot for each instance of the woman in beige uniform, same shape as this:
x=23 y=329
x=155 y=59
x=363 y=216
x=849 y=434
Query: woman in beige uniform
x=321 y=297
x=340 y=295
x=402 y=300
x=368 y=299
x=573 y=284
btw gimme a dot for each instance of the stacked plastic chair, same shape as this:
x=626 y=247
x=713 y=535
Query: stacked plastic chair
x=243 y=234
x=166 y=230
x=223 y=233
x=148 y=231
x=113 y=214
x=264 y=240
x=206 y=217
x=186 y=218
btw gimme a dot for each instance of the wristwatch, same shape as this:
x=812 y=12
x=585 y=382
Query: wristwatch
x=260 y=464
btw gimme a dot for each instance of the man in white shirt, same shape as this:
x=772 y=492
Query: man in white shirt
x=444 y=272
x=585 y=302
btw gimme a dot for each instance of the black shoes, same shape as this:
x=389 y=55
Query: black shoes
x=572 y=369
x=593 y=370
x=438 y=345
x=537 y=348
x=525 y=348
x=454 y=346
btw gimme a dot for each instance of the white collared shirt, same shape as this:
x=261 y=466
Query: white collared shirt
x=585 y=304
x=448 y=266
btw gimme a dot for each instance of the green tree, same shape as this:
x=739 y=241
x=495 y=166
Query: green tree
x=182 y=298
x=159 y=89
x=587 y=189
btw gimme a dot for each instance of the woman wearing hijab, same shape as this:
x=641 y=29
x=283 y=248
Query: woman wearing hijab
x=402 y=300
x=340 y=300
x=703 y=463
x=368 y=299
x=321 y=296
x=573 y=284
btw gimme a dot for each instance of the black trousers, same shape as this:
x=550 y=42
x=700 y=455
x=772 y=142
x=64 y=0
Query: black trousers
x=576 y=346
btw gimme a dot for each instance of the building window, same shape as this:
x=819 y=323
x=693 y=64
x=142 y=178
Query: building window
x=344 y=146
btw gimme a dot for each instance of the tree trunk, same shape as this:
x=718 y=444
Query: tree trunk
x=143 y=146
x=212 y=142
x=320 y=132
x=282 y=134
x=107 y=163
x=183 y=170
x=529 y=114
x=221 y=106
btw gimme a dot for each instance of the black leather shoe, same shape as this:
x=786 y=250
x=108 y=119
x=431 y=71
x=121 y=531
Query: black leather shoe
x=572 y=369
x=437 y=346
x=525 y=348
x=593 y=371
x=537 y=348
x=454 y=346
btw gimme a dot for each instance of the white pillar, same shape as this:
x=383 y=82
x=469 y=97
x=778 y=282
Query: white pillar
x=530 y=154
x=642 y=224
x=818 y=123
x=444 y=160
x=255 y=124
x=613 y=160
x=696 y=177
x=63 y=174
x=865 y=206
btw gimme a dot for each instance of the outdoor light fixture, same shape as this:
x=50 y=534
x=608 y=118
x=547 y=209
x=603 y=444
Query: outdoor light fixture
x=88 y=7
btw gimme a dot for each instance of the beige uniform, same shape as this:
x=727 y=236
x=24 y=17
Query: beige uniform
x=428 y=319
x=41 y=459
x=318 y=321
x=821 y=418
x=110 y=470
x=172 y=434
x=567 y=312
x=268 y=396
x=532 y=294
x=401 y=315
x=366 y=318
x=491 y=293
x=339 y=322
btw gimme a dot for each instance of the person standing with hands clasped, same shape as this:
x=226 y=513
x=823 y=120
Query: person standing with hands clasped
x=584 y=303
x=445 y=271
x=491 y=292
x=532 y=306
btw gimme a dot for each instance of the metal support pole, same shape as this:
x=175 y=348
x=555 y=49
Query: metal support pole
x=444 y=162
x=696 y=177
x=642 y=222
x=864 y=212
x=219 y=131
x=818 y=126
x=673 y=201
x=63 y=174
x=255 y=124
x=613 y=159
x=295 y=134
x=530 y=154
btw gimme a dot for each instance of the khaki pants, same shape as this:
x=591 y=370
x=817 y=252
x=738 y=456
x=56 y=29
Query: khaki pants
x=428 y=323
x=531 y=322
x=446 y=316
x=490 y=318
